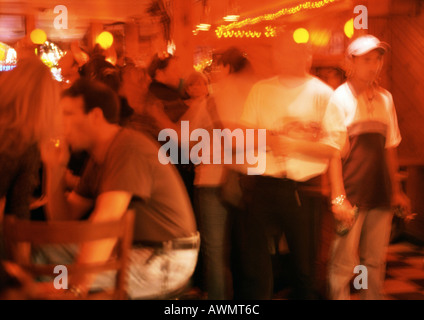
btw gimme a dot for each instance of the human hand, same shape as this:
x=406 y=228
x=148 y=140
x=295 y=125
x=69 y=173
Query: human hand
x=399 y=199
x=280 y=145
x=55 y=152
x=71 y=180
x=344 y=213
x=402 y=206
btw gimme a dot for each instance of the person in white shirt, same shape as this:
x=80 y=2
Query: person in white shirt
x=302 y=134
x=364 y=175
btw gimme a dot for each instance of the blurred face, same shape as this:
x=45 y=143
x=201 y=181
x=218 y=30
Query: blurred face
x=77 y=126
x=197 y=89
x=171 y=75
x=219 y=72
x=290 y=58
x=69 y=67
x=368 y=66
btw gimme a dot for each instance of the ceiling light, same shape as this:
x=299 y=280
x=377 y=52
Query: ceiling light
x=203 y=27
x=231 y=17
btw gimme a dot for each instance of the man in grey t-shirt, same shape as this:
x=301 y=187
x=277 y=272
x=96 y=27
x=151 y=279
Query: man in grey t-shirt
x=123 y=172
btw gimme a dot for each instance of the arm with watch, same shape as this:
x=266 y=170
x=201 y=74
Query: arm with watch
x=344 y=213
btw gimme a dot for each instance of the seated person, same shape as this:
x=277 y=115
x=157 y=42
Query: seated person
x=98 y=68
x=123 y=172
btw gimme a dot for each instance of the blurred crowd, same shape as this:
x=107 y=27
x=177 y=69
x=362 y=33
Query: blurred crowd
x=88 y=148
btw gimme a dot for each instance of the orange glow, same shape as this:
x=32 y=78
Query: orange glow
x=320 y=38
x=203 y=27
x=308 y=5
x=231 y=18
x=270 y=32
x=239 y=34
x=202 y=65
x=38 y=36
x=105 y=40
x=301 y=35
x=348 y=28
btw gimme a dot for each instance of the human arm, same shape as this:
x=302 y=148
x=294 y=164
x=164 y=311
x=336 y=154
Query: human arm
x=340 y=205
x=398 y=197
x=282 y=145
x=61 y=205
x=110 y=206
x=128 y=171
x=393 y=139
x=341 y=208
x=316 y=132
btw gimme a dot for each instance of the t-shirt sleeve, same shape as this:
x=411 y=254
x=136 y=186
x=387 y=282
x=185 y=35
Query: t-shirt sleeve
x=393 y=137
x=128 y=169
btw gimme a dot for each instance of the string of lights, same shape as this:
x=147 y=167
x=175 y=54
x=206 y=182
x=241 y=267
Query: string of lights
x=270 y=32
x=308 y=5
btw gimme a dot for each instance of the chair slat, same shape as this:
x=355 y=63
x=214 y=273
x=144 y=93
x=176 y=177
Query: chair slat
x=48 y=269
x=19 y=234
x=39 y=232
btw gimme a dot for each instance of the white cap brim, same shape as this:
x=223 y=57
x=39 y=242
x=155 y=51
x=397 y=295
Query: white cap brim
x=365 y=44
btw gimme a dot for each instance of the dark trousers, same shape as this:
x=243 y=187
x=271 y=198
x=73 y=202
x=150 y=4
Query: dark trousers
x=214 y=223
x=186 y=172
x=275 y=206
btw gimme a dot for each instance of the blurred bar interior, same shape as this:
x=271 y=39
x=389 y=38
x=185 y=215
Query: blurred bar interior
x=194 y=29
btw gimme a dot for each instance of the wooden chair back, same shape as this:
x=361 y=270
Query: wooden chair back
x=21 y=235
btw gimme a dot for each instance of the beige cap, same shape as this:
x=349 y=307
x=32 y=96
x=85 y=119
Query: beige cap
x=365 y=44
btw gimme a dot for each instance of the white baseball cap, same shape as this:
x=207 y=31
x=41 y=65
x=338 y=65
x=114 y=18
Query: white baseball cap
x=365 y=44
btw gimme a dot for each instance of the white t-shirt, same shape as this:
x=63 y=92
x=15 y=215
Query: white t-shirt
x=372 y=127
x=300 y=112
x=361 y=116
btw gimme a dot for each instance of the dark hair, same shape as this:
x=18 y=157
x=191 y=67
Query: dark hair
x=96 y=94
x=234 y=57
x=101 y=70
x=158 y=63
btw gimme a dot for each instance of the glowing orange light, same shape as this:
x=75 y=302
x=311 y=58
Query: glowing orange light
x=202 y=64
x=203 y=27
x=111 y=60
x=348 y=28
x=320 y=38
x=38 y=36
x=3 y=49
x=105 y=40
x=270 y=32
x=308 y=5
x=231 y=18
x=301 y=35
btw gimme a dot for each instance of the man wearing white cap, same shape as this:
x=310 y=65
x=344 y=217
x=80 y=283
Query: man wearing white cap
x=363 y=176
